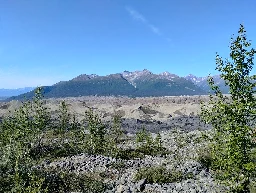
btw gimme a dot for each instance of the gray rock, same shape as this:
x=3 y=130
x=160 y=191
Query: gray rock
x=123 y=189
x=141 y=184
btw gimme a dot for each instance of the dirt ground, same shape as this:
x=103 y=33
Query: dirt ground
x=152 y=113
x=146 y=108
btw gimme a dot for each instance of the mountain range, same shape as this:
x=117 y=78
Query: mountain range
x=133 y=84
x=5 y=93
x=203 y=83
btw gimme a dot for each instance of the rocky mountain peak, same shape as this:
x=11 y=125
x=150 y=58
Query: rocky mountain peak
x=84 y=77
x=136 y=73
x=168 y=75
x=117 y=75
x=132 y=76
x=195 y=79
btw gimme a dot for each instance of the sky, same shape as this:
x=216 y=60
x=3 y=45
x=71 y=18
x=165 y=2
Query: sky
x=43 y=42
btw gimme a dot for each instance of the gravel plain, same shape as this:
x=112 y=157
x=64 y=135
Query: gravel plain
x=175 y=118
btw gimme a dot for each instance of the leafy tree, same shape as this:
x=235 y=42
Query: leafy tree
x=232 y=117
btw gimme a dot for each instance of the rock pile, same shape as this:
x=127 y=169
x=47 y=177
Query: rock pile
x=120 y=174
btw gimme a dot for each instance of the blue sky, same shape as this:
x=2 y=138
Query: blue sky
x=45 y=41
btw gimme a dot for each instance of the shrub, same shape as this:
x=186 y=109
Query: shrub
x=231 y=150
x=63 y=181
x=158 y=174
x=205 y=158
x=19 y=133
x=149 y=146
x=23 y=140
x=97 y=133
x=115 y=136
x=63 y=119
x=59 y=140
x=129 y=154
x=116 y=132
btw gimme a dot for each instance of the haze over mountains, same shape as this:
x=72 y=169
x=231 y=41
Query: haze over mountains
x=203 y=83
x=133 y=84
x=5 y=93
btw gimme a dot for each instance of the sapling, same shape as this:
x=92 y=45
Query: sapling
x=231 y=117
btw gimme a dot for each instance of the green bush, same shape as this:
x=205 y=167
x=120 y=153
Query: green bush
x=114 y=137
x=25 y=138
x=158 y=174
x=97 y=137
x=128 y=154
x=149 y=146
x=19 y=133
x=64 y=131
x=205 y=158
x=116 y=132
x=231 y=149
x=61 y=181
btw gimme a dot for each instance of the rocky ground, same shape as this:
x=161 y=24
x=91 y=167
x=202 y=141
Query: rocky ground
x=175 y=118
x=152 y=112
x=119 y=174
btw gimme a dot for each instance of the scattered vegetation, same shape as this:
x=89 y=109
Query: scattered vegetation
x=19 y=134
x=30 y=135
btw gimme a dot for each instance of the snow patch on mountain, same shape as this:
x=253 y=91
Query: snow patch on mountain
x=131 y=77
x=168 y=75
